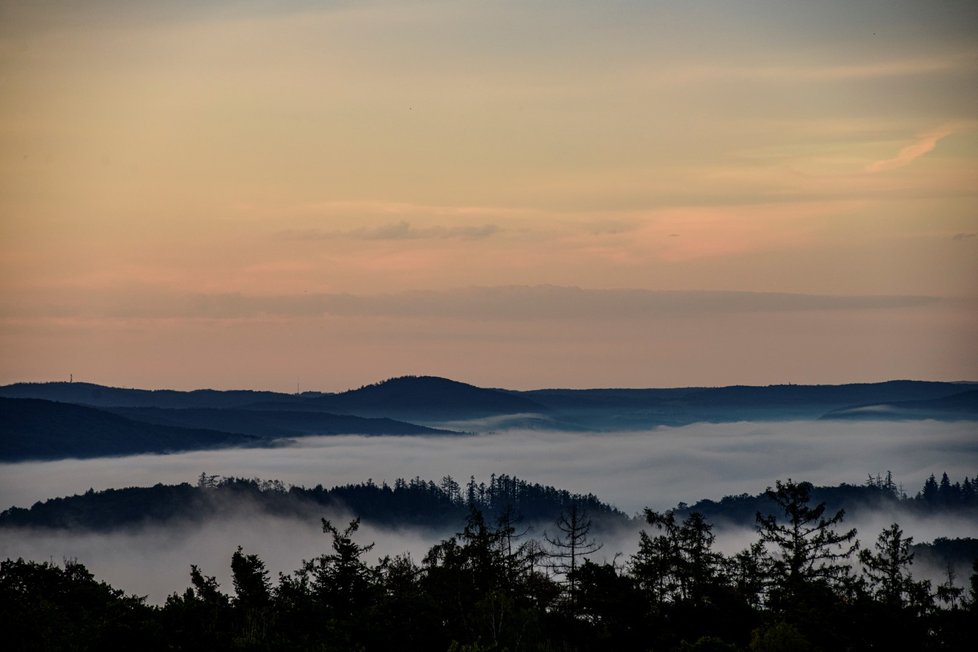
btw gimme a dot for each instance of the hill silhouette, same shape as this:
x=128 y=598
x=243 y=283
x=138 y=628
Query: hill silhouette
x=431 y=397
x=274 y=423
x=414 y=502
x=37 y=429
x=102 y=396
x=963 y=405
x=441 y=402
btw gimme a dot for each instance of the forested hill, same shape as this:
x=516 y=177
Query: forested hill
x=413 y=502
x=937 y=496
x=426 y=503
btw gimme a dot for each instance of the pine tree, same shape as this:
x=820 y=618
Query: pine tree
x=887 y=570
x=804 y=547
x=678 y=564
x=250 y=579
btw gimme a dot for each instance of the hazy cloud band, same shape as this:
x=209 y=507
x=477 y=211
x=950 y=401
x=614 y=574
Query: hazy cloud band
x=476 y=303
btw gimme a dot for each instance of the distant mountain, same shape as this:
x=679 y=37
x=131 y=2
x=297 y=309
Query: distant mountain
x=274 y=423
x=101 y=396
x=428 y=397
x=36 y=429
x=963 y=406
x=440 y=402
x=642 y=408
x=810 y=395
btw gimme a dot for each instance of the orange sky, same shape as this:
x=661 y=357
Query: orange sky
x=254 y=194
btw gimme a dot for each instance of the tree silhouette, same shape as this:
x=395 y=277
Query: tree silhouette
x=887 y=570
x=250 y=579
x=679 y=563
x=571 y=544
x=804 y=547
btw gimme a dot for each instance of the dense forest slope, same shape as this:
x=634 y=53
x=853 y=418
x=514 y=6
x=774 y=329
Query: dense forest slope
x=803 y=585
x=425 y=503
x=405 y=503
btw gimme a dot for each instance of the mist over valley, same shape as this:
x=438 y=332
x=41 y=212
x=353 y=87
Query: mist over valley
x=657 y=468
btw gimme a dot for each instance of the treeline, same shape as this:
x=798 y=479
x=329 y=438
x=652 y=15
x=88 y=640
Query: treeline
x=413 y=502
x=802 y=585
x=879 y=491
x=945 y=494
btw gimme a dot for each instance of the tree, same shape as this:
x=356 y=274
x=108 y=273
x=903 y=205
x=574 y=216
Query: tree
x=200 y=618
x=341 y=579
x=948 y=592
x=804 y=547
x=887 y=569
x=929 y=493
x=678 y=564
x=571 y=545
x=472 y=577
x=47 y=607
x=250 y=578
x=746 y=571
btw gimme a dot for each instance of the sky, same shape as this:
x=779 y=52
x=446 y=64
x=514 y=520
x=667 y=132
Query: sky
x=521 y=194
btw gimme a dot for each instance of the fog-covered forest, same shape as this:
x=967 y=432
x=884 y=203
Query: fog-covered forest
x=802 y=583
x=108 y=544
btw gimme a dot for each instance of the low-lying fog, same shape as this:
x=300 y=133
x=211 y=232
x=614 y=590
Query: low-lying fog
x=155 y=561
x=656 y=468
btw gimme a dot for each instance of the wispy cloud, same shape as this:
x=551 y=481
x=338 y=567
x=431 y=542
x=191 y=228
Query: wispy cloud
x=963 y=236
x=910 y=153
x=402 y=230
x=809 y=72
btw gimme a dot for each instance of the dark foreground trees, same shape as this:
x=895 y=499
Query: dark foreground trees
x=49 y=607
x=489 y=588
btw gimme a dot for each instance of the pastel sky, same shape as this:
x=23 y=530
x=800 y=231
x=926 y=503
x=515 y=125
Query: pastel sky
x=523 y=194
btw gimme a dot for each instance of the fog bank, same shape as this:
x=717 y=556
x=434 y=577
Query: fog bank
x=155 y=561
x=656 y=468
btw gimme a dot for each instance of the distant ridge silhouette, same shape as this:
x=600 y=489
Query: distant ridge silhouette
x=38 y=429
x=414 y=405
x=428 y=395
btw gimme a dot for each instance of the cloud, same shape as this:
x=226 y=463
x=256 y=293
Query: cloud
x=963 y=236
x=910 y=153
x=537 y=302
x=402 y=230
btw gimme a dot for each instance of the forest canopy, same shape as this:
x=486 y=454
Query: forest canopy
x=802 y=584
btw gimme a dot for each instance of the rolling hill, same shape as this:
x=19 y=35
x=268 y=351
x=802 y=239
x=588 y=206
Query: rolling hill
x=37 y=429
